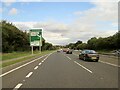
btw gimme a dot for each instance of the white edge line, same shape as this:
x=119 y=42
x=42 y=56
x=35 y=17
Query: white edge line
x=18 y=86
x=83 y=67
x=109 y=63
x=29 y=74
x=36 y=67
x=23 y=65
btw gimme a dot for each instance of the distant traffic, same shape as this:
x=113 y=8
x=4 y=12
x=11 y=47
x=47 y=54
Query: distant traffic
x=86 y=55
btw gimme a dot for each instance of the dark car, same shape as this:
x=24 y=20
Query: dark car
x=89 y=55
x=69 y=51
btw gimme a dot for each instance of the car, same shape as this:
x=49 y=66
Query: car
x=69 y=51
x=117 y=52
x=89 y=55
x=64 y=50
x=58 y=50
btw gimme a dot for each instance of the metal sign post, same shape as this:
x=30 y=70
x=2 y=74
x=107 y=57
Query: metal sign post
x=36 y=38
x=32 y=49
x=40 y=44
x=40 y=49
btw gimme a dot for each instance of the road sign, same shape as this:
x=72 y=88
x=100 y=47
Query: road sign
x=36 y=37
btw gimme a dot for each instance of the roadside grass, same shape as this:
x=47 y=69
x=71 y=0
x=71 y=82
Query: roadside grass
x=0 y=60
x=104 y=51
x=26 y=58
x=8 y=56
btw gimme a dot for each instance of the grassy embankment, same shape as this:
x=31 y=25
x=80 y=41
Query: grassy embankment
x=9 y=58
x=104 y=51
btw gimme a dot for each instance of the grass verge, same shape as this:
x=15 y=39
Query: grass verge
x=104 y=51
x=8 y=56
x=23 y=59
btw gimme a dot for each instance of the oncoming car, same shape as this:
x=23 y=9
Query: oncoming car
x=89 y=55
x=69 y=51
x=58 y=50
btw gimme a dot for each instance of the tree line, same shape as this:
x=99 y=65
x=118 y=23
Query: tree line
x=107 y=43
x=14 y=39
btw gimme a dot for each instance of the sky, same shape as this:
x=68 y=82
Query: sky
x=63 y=22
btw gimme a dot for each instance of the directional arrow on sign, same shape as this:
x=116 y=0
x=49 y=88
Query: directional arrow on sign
x=39 y=34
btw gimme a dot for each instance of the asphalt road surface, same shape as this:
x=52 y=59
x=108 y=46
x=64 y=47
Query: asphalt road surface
x=60 y=70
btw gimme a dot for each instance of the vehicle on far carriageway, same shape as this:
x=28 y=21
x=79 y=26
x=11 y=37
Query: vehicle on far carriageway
x=89 y=55
x=69 y=51
x=59 y=50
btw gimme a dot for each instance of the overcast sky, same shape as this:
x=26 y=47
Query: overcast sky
x=64 y=22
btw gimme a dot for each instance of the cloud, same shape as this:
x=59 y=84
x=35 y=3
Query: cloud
x=114 y=24
x=13 y=11
x=61 y=36
x=104 y=11
x=52 y=26
x=24 y=25
x=90 y=24
x=53 y=32
x=59 y=0
x=104 y=1
x=8 y=0
x=55 y=38
x=8 y=3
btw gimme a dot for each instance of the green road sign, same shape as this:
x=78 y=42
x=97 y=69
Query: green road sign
x=36 y=37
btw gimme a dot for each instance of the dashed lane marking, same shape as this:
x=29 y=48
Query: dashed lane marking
x=29 y=74
x=18 y=86
x=21 y=66
x=83 y=67
x=104 y=62
x=40 y=63
x=36 y=68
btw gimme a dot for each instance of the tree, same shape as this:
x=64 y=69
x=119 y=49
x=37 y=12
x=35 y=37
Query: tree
x=91 y=43
x=82 y=46
x=13 y=39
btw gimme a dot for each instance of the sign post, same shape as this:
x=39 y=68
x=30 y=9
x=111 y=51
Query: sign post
x=36 y=38
x=32 y=49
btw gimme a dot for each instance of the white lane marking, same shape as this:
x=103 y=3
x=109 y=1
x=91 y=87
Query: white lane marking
x=40 y=63
x=83 y=67
x=104 y=62
x=68 y=57
x=109 y=63
x=18 y=86
x=36 y=68
x=75 y=54
x=29 y=74
x=47 y=57
x=22 y=66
